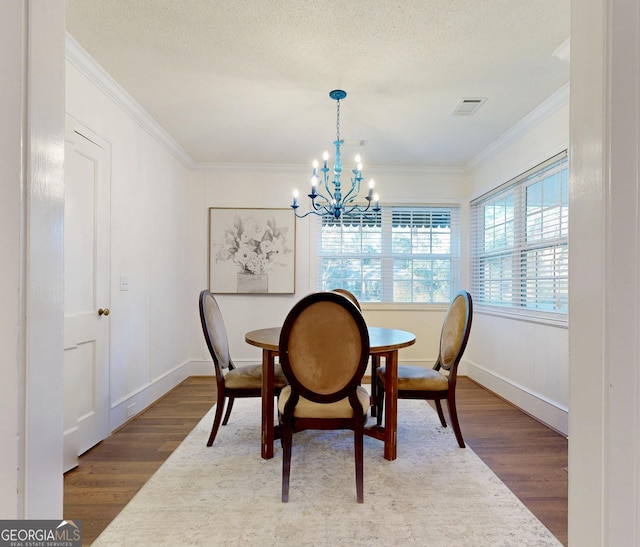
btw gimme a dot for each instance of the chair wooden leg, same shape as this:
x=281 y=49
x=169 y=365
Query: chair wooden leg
x=286 y=433
x=440 y=413
x=379 y=402
x=229 y=407
x=375 y=362
x=359 y=456
x=216 y=421
x=453 y=414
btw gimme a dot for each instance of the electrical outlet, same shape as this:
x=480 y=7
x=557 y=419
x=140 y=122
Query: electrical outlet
x=131 y=410
x=124 y=283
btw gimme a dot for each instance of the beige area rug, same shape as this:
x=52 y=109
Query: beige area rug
x=433 y=494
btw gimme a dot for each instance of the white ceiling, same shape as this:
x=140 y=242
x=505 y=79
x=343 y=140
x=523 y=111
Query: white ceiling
x=248 y=81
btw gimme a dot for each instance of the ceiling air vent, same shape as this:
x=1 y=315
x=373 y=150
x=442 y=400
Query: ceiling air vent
x=468 y=106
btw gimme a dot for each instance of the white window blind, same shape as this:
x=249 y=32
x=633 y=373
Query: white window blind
x=402 y=254
x=519 y=243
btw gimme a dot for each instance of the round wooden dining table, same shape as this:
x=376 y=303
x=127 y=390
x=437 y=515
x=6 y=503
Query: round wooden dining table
x=383 y=343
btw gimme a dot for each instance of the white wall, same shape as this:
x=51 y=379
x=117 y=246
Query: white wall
x=525 y=362
x=152 y=203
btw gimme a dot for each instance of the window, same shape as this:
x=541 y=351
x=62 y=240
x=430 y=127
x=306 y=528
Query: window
x=402 y=254
x=519 y=236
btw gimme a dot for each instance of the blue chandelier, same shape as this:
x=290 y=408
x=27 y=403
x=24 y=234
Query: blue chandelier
x=329 y=201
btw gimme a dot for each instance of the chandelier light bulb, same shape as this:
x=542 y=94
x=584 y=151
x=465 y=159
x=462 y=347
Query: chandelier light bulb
x=371 y=185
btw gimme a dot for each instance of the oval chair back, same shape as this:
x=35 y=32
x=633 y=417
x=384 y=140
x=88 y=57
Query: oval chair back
x=455 y=331
x=324 y=348
x=215 y=333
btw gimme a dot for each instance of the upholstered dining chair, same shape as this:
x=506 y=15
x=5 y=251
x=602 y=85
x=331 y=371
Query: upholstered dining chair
x=350 y=296
x=416 y=382
x=324 y=348
x=232 y=382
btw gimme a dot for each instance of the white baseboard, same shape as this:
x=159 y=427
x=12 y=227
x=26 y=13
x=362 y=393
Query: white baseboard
x=534 y=404
x=201 y=368
x=134 y=403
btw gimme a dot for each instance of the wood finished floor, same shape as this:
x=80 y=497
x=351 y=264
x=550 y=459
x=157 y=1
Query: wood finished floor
x=529 y=458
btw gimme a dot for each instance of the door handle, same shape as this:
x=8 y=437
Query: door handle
x=104 y=311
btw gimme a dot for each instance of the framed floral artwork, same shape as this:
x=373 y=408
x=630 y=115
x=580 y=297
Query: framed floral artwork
x=251 y=251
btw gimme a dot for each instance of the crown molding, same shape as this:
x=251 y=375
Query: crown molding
x=88 y=66
x=553 y=103
x=437 y=170
x=264 y=167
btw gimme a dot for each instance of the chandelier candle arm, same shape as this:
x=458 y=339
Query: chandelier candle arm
x=328 y=201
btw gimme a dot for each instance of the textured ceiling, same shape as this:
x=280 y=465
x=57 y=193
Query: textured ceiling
x=248 y=81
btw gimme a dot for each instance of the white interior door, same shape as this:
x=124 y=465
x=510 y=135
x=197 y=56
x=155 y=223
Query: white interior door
x=86 y=292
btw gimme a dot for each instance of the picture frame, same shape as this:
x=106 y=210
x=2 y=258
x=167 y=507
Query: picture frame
x=251 y=251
